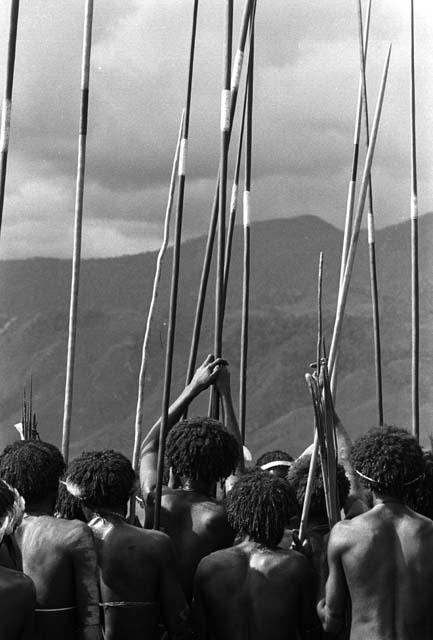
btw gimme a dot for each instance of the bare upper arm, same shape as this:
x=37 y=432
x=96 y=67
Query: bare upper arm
x=336 y=585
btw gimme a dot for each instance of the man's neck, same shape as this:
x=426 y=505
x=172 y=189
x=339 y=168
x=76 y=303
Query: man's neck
x=387 y=500
x=198 y=486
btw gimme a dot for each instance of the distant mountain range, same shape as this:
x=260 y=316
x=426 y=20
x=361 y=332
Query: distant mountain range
x=114 y=299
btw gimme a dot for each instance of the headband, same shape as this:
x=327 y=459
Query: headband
x=275 y=463
x=405 y=484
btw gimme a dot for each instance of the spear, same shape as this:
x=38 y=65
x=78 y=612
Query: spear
x=357 y=222
x=79 y=196
x=234 y=198
x=352 y=183
x=222 y=195
x=174 y=279
x=7 y=100
x=313 y=461
x=414 y=239
x=235 y=79
x=246 y=226
x=350 y=203
x=371 y=234
x=235 y=186
x=160 y=257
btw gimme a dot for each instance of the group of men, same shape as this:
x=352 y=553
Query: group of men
x=72 y=565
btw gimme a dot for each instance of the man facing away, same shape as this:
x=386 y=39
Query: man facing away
x=58 y=555
x=17 y=593
x=200 y=452
x=255 y=589
x=137 y=575
x=383 y=558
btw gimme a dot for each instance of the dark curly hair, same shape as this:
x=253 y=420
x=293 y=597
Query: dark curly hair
x=33 y=467
x=422 y=500
x=390 y=461
x=202 y=449
x=298 y=476
x=260 y=506
x=270 y=456
x=104 y=478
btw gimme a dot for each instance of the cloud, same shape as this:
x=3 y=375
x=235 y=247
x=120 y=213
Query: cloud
x=306 y=80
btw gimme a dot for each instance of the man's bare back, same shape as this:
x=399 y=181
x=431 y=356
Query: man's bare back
x=251 y=591
x=60 y=558
x=138 y=581
x=197 y=525
x=385 y=558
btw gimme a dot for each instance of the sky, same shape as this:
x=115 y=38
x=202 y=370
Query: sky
x=306 y=82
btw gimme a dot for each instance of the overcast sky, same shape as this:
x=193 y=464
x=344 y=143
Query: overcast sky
x=306 y=80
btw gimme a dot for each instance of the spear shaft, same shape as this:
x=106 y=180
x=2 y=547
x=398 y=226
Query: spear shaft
x=7 y=100
x=414 y=239
x=247 y=240
x=160 y=257
x=79 y=196
x=235 y=79
x=174 y=280
x=222 y=195
x=371 y=233
x=357 y=222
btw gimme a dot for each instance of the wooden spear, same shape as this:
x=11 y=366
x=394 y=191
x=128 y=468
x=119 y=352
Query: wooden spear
x=371 y=233
x=234 y=198
x=414 y=238
x=357 y=222
x=235 y=80
x=352 y=183
x=235 y=186
x=79 y=195
x=247 y=241
x=157 y=277
x=313 y=461
x=222 y=195
x=174 y=279
x=350 y=203
x=7 y=100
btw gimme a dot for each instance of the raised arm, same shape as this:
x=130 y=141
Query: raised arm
x=203 y=378
x=222 y=383
x=332 y=608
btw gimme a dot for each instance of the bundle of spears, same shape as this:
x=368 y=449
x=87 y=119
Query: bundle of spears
x=28 y=418
x=325 y=420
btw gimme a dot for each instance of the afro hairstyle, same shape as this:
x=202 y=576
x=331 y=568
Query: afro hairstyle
x=391 y=461
x=202 y=449
x=422 y=500
x=260 y=506
x=298 y=476
x=102 y=478
x=33 y=468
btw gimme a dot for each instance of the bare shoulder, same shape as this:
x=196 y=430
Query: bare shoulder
x=159 y=544
x=344 y=532
x=219 y=563
x=74 y=532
